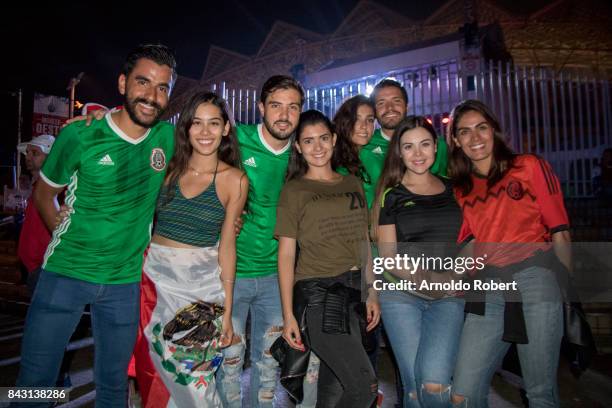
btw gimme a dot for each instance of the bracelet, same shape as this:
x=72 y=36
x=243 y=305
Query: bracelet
x=227 y=280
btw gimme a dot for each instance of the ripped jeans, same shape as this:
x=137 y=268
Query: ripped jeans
x=260 y=296
x=481 y=350
x=424 y=336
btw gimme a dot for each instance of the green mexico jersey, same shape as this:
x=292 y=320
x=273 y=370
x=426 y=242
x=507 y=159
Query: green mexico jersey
x=372 y=157
x=113 y=182
x=440 y=166
x=266 y=168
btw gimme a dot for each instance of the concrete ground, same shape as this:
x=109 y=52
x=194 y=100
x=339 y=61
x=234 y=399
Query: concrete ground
x=592 y=389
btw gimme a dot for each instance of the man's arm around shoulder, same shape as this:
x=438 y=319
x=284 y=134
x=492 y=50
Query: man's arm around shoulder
x=45 y=200
x=61 y=163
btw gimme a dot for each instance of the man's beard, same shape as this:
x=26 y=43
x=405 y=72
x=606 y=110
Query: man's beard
x=277 y=135
x=392 y=124
x=130 y=108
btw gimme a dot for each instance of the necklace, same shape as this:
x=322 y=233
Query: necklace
x=198 y=172
x=195 y=171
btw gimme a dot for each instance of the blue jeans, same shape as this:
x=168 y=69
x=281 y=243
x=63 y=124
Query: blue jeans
x=424 y=336
x=482 y=349
x=55 y=311
x=261 y=297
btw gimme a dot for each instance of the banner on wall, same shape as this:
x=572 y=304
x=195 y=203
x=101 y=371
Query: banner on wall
x=50 y=113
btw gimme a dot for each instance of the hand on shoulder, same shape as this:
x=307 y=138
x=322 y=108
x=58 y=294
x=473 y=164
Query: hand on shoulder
x=88 y=119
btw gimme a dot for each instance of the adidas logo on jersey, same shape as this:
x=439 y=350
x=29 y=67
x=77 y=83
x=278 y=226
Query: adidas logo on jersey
x=250 y=162
x=377 y=150
x=106 y=161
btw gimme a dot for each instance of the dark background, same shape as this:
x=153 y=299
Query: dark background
x=48 y=43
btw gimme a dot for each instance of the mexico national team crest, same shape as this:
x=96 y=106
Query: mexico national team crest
x=515 y=190
x=158 y=159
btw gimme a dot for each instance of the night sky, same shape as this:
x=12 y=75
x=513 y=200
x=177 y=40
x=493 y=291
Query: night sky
x=54 y=43
x=46 y=44
x=49 y=43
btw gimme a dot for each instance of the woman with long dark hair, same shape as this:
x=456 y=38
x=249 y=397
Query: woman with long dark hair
x=326 y=214
x=418 y=207
x=189 y=269
x=513 y=212
x=354 y=125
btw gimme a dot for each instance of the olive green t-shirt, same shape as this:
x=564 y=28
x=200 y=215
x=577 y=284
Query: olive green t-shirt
x=329 y=222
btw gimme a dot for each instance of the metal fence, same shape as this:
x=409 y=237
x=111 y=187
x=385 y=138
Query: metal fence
x=564 y=116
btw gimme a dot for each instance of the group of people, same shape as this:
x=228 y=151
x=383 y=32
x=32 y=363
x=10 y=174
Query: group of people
x=275 y=221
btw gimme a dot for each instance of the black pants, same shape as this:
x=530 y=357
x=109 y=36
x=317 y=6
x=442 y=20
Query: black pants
x=346 y=377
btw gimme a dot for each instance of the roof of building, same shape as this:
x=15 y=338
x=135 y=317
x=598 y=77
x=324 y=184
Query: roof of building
x=220 y=60
x=368 y=16
x=562 y=33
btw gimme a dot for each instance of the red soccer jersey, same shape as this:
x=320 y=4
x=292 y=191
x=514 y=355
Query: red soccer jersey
x=525 y=206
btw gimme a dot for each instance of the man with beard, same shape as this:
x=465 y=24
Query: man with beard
x=265 y=151
x=113 y=169
x=391 y=103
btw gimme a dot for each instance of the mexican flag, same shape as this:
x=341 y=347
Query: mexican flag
x=177 y=351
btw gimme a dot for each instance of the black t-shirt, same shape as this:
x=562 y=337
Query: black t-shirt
x=422 y=218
